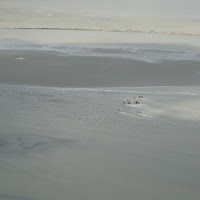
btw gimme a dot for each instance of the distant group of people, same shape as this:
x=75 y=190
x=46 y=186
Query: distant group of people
x=129 y=102
x=135 y=101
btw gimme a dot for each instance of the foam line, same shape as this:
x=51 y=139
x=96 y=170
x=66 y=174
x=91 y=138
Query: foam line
x=150 y=54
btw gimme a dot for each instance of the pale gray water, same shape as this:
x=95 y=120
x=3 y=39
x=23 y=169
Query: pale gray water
x=62 y=143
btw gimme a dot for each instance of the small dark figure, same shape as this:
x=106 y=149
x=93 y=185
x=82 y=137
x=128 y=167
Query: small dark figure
x=128 y=101
x=137 y=102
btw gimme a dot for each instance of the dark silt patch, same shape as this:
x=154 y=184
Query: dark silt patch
x=27 y=143
x=8 y=197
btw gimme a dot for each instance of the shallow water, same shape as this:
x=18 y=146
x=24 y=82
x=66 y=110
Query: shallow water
x=58 y=143
x=151 y=53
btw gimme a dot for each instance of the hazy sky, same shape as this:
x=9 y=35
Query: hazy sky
x=162 y=8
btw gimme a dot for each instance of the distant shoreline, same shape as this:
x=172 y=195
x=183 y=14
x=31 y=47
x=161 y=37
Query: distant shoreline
x=48 y=19
x=103 y=30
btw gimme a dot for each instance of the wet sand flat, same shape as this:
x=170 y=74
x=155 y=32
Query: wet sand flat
x=67 y=69
x=62 y=134
x=71 y=142
x=41 y=68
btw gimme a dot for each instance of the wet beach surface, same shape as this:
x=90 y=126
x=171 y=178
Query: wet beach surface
x=49 y=69
x=59 y=142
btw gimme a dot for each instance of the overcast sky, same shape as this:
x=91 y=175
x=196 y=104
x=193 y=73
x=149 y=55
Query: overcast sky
x=162 y=8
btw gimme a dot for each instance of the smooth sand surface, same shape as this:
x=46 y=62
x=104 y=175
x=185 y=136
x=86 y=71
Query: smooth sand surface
x=71 y=143
x=40 y=68
x=96 y=37
x=16 y=17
